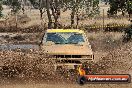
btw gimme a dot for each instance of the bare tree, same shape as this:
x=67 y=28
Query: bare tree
x=76 y=6
x=48 y=13
x=1 y=8
x=55 y=8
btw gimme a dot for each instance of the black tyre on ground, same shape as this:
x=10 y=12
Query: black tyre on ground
x=81 y=80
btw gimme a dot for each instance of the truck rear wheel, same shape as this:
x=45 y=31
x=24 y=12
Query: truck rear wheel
x=81 y=80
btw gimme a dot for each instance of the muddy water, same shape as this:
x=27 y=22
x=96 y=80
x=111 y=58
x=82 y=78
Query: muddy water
x=18 y=46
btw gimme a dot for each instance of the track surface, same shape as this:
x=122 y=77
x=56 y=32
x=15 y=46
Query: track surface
x=65 y=85
x=102 y=45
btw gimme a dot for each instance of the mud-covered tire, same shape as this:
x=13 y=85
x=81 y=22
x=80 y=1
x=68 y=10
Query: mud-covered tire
x=81 y=80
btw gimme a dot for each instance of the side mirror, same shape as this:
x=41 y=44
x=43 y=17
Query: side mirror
x=49 y=43
x=81 y=43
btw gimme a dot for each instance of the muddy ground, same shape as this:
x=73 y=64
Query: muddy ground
x=111 y=55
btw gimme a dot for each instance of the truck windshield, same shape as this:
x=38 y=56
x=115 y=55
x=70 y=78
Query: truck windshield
x=65 y=38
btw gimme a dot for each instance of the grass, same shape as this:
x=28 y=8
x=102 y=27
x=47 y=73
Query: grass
x=34 y=19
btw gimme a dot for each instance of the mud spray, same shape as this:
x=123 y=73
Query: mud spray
x=36 y=65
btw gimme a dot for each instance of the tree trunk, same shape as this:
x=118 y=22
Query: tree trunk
x=41 y=14
x=77 y=13
x=41 y=9
x=55 y=12
x=23 y=6
x=48 y=14
x=77 y=21
x=74 y=12
x=23 y=10
x=123 y=13
x=72 y=17
x=56 y=23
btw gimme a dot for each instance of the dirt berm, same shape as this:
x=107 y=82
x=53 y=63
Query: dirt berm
x=117 y=61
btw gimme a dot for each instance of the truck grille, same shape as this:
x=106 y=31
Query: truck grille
x=69 y=61
x=68 y=56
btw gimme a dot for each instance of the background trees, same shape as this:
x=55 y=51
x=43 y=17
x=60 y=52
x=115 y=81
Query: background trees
x=15 y=6
x=77 y=8
x=53 y=9
x=39 y=4
x=129 y=7
x=124 y=6
x=1 y=8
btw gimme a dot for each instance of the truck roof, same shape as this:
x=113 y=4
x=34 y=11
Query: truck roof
x=64 y=30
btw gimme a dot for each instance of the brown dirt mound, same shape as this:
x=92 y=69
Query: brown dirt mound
x=117 y=61
x=31 y=65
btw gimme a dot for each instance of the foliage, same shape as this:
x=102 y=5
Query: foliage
x=1 y=8
x=54 y=7
x=90 y=7
x=120 y=6
x=15 y=5
x=80 y=8
x=129 y=7
x=35 y=3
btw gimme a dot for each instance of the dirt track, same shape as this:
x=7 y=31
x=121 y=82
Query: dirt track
x=117 y=59
x=65 y=85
